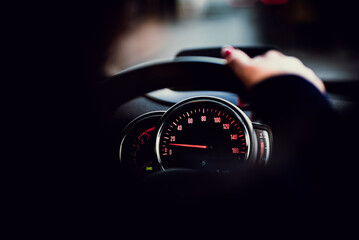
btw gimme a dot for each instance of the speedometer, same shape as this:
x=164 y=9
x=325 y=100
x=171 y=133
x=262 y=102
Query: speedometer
x=204 y=133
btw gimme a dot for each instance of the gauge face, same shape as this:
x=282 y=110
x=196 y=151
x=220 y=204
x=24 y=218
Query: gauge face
x=204 y=134
x=136 y=149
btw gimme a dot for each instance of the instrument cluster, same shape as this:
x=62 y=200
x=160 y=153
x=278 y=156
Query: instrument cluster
x=198 y=133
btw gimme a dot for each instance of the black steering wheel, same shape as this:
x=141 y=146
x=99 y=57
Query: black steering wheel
x=202 y=69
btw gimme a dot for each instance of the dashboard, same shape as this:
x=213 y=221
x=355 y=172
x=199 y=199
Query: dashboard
x=176 y=114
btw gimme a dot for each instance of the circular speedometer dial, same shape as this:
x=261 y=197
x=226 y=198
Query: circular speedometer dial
x=203 y=133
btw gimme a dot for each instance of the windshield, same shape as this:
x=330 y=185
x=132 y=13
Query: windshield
x=320 y=33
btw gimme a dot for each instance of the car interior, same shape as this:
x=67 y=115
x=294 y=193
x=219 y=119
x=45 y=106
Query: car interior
x=177 y=129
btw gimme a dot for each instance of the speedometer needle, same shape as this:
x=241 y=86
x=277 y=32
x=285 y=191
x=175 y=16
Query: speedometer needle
x=188 y=145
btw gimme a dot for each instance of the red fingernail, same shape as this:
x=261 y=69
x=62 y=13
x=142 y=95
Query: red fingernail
x=227 y=53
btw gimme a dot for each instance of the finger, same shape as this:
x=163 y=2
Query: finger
x=240 y=63
x=235 y=57
x=273 y=54
x=315 y=80
x=227 y=51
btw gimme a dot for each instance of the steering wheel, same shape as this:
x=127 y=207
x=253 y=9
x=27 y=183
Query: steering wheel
x=182 y=73
x=202 y=69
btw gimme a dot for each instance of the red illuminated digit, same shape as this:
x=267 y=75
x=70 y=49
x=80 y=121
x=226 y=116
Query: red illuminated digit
x=203 y=118
x=217 y=120
x=225 y=125
x=170 y=152
x=179 y=127
x=235 y=150
x=172 y=138
x=234 y=136
x=190 y=120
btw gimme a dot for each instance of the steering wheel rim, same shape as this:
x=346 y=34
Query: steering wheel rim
x=181 y=73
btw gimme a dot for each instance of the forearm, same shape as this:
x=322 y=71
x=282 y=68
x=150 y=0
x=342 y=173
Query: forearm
x=287 y=96
x=296 y=111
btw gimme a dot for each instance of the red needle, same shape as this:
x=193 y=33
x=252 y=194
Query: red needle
x=188 y=145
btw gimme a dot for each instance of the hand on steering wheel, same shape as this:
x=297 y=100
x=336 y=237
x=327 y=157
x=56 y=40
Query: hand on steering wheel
x=273 y=63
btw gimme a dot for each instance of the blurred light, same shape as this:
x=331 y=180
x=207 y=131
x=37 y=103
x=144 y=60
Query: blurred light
x=189 y=8
x=241 y=3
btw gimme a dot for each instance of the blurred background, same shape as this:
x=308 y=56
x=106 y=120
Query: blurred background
x=321 y=33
